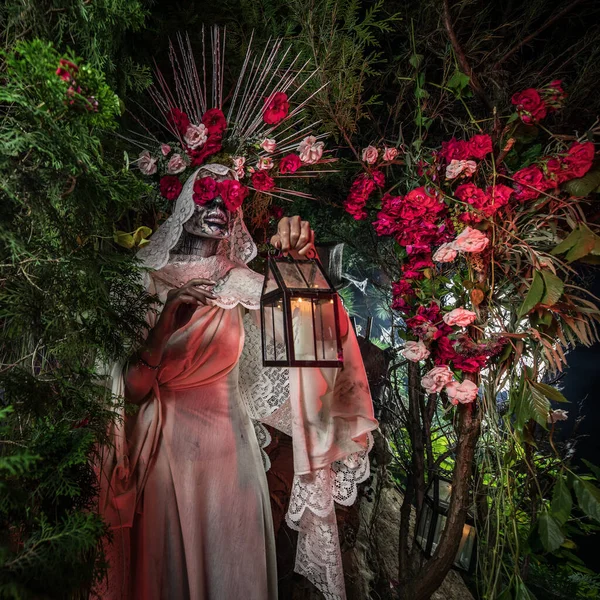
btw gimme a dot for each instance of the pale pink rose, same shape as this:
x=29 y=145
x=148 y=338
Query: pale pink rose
x=466 y=168
x=238 y=165
x=471 y=240
x=165 y=149
x=176 y=164
x=147 y=164
x=415 y=351
x=558 y=415
x=389 y=153
x=461 y=317
x=195 y=136
x=370 y=155
x=464 y=392
x=434 y=381
x=445 y=253
x=268 y=145
x=264 y=163
x=310 y=150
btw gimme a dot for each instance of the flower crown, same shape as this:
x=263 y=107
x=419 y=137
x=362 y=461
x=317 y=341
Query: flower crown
x=261 y=139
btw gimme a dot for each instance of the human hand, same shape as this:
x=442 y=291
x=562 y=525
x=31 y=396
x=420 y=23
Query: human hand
x=294 y=236
x=181 y=304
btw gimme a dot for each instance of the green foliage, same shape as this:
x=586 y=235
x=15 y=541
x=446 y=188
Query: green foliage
x=70 y=300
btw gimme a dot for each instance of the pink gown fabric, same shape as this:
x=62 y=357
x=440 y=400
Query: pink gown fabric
x=184 y=487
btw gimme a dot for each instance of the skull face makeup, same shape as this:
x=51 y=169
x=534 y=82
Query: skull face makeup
x=211 y=220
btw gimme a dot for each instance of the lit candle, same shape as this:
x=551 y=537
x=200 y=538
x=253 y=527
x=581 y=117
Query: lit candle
x=303 y=329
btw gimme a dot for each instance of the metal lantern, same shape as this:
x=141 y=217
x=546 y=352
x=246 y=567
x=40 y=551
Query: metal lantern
x=300 y=315
x=433 y=520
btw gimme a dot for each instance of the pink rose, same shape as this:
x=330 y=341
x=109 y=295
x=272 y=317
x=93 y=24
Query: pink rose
x=195 y=136
x=176 y=164
x=147 y=164
x=389 y=154
x=436 y=379
x=464 y=392
x=268 y=145
x=264 y=163
x=310 y=150
x=471 y=240
x=459 y=317
x=460 y=167
x=415 y=351
x=165 y=149
x=370 y=154
x=238 y=165
x=445 y=253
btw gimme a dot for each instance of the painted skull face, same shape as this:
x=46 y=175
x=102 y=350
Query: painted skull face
x=210 y=220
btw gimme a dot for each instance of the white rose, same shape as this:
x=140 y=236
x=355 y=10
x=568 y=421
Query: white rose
x=310 y=150
x=415 y=351
x=146 y=163
x=238 y=165
x=370 y=154
x=458 y=167
x=195 y=136
x=464 y=392
x=176 y=164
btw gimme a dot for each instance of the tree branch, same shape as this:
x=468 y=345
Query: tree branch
x=462 y=57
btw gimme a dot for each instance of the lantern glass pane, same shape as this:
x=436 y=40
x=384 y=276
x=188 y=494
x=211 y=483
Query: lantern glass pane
x=270 y=283
x=273 y=331
x=303 y=327
x=424 y=526
x=313 y=275
x=292 y=277
x=437 y=534
x=325 y=330
x=444 y=491
x=465 y=550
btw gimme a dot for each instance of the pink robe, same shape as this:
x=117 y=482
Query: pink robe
x=187 y=494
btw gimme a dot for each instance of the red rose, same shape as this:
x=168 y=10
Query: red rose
x=276 y=108
x=402 y=288
x=170 y=187
x=444 y=351
x=422 y=198
x=554 y=95
x=214 y=121
x=205 y=190
x=455 y=149
x=178 y=120
x=499 y=196
x=469 y=364
x=470 y=193
x=262 y=181
x=233 y=193
x=579 y=159
x=530 y=106
x=276 y=212
x=480 y=146
x=379 y=178
x=399 y=303
x=385 y=224
x=531 y=183
x=290 y=163
x=210 y=147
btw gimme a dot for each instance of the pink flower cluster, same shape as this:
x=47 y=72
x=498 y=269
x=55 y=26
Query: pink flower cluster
x=533 y=105
x=77 y=96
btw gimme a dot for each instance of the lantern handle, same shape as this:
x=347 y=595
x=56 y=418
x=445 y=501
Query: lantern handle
x=275 y=252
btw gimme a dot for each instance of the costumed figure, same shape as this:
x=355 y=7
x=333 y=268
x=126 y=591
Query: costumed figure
x=183 y=485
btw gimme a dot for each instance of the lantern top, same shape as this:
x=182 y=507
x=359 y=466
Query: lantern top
x=288 y=274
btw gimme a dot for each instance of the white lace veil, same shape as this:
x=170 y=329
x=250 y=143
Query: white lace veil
x=239 y=247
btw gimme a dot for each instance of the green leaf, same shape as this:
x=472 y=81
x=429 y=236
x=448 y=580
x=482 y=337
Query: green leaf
x=141 y=233
x=415 y=60
x=592 y=467
x=540 y=405
x=583 y=186
x=459 y=81
x=549 y=391
x=124 y=239
x=550 y=534
x=562 y=502
x=554 y=288
x=522 y=592
x=585 y=245
x=567 y=243
x=534 y=295
x=588 y=498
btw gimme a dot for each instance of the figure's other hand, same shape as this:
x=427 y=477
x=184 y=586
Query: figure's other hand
x=182 y=303
x=294 y=236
